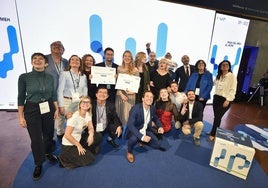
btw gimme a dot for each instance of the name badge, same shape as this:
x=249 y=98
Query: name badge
x=44 y=107
x=197 y=91
x=75 y=97
x=100 y=127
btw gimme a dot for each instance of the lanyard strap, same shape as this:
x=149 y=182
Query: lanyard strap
x=100 y=115
x=77 y=82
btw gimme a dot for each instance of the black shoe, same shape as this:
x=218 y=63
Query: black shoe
x=162 y=149
x=159 y=136
x=112 y=143
x=37 y=172
x=52 y=158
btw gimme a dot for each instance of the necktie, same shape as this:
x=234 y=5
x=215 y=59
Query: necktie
x=187 y=71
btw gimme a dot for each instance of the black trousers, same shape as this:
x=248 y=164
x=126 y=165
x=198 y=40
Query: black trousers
x=41 y=129
x=219 y=111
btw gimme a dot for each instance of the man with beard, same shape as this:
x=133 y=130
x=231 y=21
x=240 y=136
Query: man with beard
x=108 y=62
x=192 y=113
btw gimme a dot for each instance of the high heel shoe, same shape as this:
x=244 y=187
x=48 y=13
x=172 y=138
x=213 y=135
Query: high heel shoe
x=211 y=138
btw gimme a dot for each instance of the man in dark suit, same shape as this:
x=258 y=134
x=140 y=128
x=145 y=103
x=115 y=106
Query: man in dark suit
x=183 y=73
x=140 y=127
x=109 y=57
x=104 y=116
x=192 y=116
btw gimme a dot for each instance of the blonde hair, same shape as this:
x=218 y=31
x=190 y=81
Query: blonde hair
x=139 y=57
x=166 y=61
x=131 y=67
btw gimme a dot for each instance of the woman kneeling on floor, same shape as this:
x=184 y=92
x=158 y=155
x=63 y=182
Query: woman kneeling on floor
x=80 y=142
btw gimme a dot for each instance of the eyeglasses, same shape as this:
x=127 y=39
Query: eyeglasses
x=85 y=102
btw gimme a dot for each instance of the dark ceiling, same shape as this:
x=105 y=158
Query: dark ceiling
x=257 y=9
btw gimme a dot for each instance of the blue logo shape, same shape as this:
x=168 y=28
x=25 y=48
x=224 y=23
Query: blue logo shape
x=214 y=54
x=96 y=43
x=7 y=64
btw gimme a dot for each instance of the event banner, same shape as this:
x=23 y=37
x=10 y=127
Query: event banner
x=11 y=55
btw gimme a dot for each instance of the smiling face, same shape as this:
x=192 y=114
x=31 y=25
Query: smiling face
x=84 y=104
x=163 y=94
x=191 y=95
x=57 y=48
x=102 y=95
x=147 y=99
x=174 y=87
x=185 y=60
x=127 y=58
x=163 y=64
x=109 y=56
x=89 y=62
x=74 y=62
x=39 y=62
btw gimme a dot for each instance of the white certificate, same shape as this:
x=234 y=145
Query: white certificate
x=103 y=75
x=128 y=82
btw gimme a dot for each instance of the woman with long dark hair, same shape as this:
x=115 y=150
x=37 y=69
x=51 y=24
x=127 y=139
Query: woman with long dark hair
x=225 y=89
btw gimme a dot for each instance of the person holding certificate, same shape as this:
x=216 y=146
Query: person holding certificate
x=108 y=62
x=72 y=86
x=125 y=99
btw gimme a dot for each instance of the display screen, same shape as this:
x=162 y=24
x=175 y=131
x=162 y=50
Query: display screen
x=90 y=26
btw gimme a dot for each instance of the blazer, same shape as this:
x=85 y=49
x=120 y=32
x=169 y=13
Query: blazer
x=197 y=113
x=206 y=84
x=51 y=69
x=136 y=120
x=111 y=115
x=181 y=76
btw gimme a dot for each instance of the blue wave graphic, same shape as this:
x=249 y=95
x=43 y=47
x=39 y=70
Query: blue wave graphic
x=7 y=63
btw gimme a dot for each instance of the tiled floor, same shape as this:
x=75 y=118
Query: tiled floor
x=15 y=142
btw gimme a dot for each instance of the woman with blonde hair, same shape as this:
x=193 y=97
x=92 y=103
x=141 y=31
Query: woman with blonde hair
x=125 y=99
x=160 y=78
x=80 y=142
x=140 y=62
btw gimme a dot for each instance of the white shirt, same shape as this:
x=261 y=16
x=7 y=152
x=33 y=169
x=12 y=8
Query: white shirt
x=190 y=106
x=226 y=86
x=79 y=124
x=146 y=114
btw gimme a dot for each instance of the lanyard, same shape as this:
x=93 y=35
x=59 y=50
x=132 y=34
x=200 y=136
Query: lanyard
x=58 y=68
x=77 y=81
x=100 y=114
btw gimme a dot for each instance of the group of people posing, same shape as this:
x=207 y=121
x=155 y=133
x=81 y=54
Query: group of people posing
x=58 y=93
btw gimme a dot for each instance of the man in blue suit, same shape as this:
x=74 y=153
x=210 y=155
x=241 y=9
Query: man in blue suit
x=140 y=125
